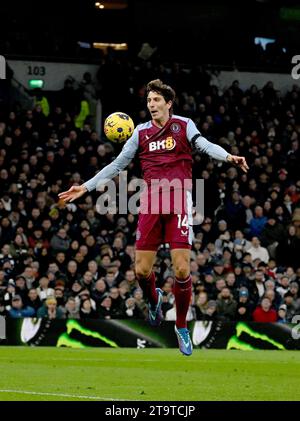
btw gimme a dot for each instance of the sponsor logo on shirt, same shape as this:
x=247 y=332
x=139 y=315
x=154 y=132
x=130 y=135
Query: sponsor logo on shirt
x=166 y=144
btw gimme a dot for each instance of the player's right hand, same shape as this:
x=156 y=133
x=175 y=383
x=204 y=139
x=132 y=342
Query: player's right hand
x=73 y=193
x=240 y=161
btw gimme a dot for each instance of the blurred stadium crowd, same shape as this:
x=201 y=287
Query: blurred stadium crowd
x=68 y=261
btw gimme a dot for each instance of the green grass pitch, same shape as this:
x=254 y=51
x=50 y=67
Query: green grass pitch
x=91 y=374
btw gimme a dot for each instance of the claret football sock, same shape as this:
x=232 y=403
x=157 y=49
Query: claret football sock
x=182 y=292
x=148 y=287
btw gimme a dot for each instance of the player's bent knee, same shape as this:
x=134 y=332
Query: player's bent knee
x=182 y=272
x=142 y=271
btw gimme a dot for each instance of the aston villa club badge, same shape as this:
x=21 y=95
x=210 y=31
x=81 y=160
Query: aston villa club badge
x=175 y=127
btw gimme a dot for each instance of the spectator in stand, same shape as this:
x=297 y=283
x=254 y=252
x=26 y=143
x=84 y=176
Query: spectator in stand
x=277 y=299
x=8 y=294
x=288 y=249
x=219 y=285
x=223 y=242
x=86 y=310
x=247 y=203
x=72 y=272
x=257 y=286
x=294 y=290
x=50 y=310
x=258 y=222
x=140 y=302
x=283 y=287
x=240 y=244
x=29 y=275
x=290 y=306
x=201 y=305
x=105 y=310
x=60 y=241
x=124 y=290
x=87 y=280
x=33 y=299
x=211 y=312
x=218 y=269
x=75 y=289
x=231 y=283
x=99 y=290
x=264 y=313
x=93 y=268
x=282 y=312
x=258 y=252
x=130 y=278
x=21 y=288
x=71 y=309
x=59 y=294
x=44 y=291
x=226 y=305
x=132 y=310
x=19 y=309
x=244 y=306
x=235 y=211
x=270 y=293
x=272 y=234
x=168 y=296
x=117 y=304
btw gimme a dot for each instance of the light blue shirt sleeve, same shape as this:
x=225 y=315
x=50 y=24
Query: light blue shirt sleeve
x=116 y=166
x=203 y=145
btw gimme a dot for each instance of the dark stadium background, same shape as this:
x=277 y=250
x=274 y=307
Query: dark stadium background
x=208 y=31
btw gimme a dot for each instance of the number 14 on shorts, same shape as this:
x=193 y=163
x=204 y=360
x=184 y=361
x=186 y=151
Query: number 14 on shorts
x=183 y=224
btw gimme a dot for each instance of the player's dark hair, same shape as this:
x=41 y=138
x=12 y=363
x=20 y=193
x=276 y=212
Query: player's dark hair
x=162 y=89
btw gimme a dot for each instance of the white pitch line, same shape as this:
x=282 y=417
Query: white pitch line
x=62 y=395
x=81 y=359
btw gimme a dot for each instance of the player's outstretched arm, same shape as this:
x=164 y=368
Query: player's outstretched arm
x=107 y=173
x=211 y=149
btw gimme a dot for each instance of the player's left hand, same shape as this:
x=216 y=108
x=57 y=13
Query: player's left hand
x=239 y=161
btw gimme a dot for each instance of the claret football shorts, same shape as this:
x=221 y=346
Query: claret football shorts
x=175 y=227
